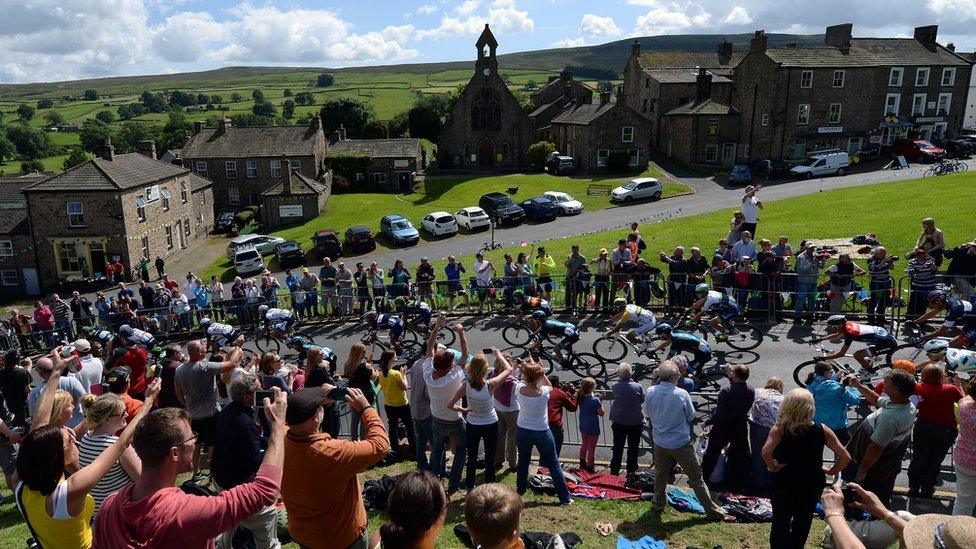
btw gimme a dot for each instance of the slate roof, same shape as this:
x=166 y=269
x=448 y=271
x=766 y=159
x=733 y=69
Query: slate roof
x=378 y=148
x=682 y=76
x=299 y=185
x=686 y=59
x=584 y=114
x=125 y=172
x=251 y=141
x=706 y=107
x=867 y=52
x=13 y=219
x=197 y=182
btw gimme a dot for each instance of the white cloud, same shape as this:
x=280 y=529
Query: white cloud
x=960 y=10
x=427 y=9
x=504 y=18
x=738 y=16
x=594 y=25
x=185 y=37
x=672 y=19
x=467 y=7
x=568 y=43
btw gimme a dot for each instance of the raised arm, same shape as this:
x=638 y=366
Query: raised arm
x=868 y=394
x=494 y=382
x=459 y=329
x=45 y=403
x=432 y=338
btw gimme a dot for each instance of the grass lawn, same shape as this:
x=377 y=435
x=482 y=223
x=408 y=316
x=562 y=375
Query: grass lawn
x=50 y=163
x=440 y=193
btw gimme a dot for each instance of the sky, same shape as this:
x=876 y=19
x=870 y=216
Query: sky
x=51 y=40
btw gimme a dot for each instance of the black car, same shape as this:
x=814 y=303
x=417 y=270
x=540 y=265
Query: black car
x=562 y=165
x=958 y=148
x=770 y=169
x=501 y=208
x=327 y=244
x=288 y=253
x=224 y=221
x=360 y=239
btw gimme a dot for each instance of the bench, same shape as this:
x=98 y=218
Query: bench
x=597 y=189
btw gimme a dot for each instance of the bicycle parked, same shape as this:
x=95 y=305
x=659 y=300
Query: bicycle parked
x=945 y=166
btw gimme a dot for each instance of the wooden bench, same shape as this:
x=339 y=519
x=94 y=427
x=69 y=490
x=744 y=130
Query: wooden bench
x=597 y=189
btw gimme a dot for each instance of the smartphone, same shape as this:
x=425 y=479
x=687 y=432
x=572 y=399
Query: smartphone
x=487 y=351
x=850 y=496
x=259 y=397
x=338 y=393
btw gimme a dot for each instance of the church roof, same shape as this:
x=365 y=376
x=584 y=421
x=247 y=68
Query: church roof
x=487 y=38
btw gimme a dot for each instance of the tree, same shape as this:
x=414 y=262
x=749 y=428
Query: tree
x=131 y=110
x=45 y=104
x=106 y=116
x=305 y=98
x=524 y=101
x=399 y=125
x=375 y=129
x=93 y=135
x=53 y=118
x=174 y=132
x=153 y=102
x=236 y=97
x=91 y=95
x=25 y=112
x=216 y=99
x=75 y=157
x=31 y=166
x=539 y=152
x=129 y=134
x=348 y=165
x=424 y=123
x=257 y=95
x=29 y=142
x=288 y=109
x=288 y=93
x=202 y=99
x=178 y=98
x=351 y=113
x=324 y=80
x=7 y=148
x=263 y=108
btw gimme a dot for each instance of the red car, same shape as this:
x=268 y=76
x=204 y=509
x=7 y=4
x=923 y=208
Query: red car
x=916 y=150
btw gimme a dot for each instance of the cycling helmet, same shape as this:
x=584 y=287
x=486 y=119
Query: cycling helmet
x=262 y=310
x=296 y=341
x=836 y=320
x=961 y=360
x=205 y=322
x=701 y=288
x=125 y=330
x=904 y=364
x=103 y=336
x=662 y=328
x=539 y=315
x=620 y=303
x=399 y=302
x=935 y=346
x=938 y=295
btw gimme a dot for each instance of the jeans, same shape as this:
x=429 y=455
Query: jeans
x=396 y=416
x=423 y=432
x=792 y=515
x=475 y=434
x=330 y=300
x=664 y=460
x=629 y=434
x=356 y=429
x=557 y=437
x=448 y=432
x=345 y=300
x=805 y=301
x=878 y=301
x=601 y=285
x=930 y=444
x=526 y=439
x=505 y=449
x=311 y=304
x=918 y=301
x=965 y=491
x=64 y=326
x=263 y=525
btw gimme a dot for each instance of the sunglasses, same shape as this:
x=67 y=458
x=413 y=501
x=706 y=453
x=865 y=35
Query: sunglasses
x=190 y=440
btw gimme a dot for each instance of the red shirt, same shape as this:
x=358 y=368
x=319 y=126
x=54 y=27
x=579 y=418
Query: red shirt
x=135 y=358
x=936 y=404
x=558 y=399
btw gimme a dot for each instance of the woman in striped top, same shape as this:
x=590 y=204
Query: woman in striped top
x=105 y=416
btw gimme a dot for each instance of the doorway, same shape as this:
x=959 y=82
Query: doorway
x=98 y=262
x=31 y=285
x=728 y=154
x=486 y=153
x=403 y=182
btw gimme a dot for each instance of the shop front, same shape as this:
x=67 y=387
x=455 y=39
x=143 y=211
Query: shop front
x=80 y=258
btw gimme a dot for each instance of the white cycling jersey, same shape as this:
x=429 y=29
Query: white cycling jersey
x=716 y=298
x=278 y=314
x=141 y=337
x=220 y=330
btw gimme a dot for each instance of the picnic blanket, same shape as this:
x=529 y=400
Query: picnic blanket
x=684 y=501
x=611 y=485
x=747 y=509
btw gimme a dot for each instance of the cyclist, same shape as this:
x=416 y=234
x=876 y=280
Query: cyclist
x=414 y=311
x=542 y=326
x=957 y=311
x=684 y=342
x=530 y=304
x=839 y=327
x=219 y=334
x=303 y=344
x=393 y=323
x=643 y=318
x=961 y=360
x=280 y=322
x=723 y=306
x=137 y=336
x=935 y=352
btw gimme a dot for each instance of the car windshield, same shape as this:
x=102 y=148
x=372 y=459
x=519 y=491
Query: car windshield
x=739 y=169
x=925 y=145
x=248 y=255
x=444 y=219
x=631 y=185
x=558 y=198
x=811 y=161
x=477 y=213
x=227 y=215
x=503 y=201
x=401 y=225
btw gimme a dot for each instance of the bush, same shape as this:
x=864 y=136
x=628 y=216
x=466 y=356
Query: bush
x=348 y=165
x=539 y=152
x=243 y=218
x=340 y=184
x=253 y=209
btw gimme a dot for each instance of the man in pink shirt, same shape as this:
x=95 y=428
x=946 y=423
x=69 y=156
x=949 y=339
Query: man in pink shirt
x=155 y=513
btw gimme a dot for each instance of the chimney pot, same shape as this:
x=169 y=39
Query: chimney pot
x=605 y=97
x=724 y=52
x=316 y=123
x=950 y=46
x=224 y=124
x=147 y=147
x=927 y=35
x=758 y=42
x=635 y=48
x=703 y=86
x=198 y=127
x=108 y=151
x=838 y=35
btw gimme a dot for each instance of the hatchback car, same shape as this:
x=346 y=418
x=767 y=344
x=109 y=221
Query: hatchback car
x=637 y=189
x=565 y=202
x=359 y=239
x=540 y=208
x=439 y=224
x=262 y=243
x=398 y=230
x=740 y=175
x=247 y=261
x=561 y=165
x=502 y=208
x=224 y=221
x=916 y=150
x=289 y=253
x=327 y=244
x=472 y=218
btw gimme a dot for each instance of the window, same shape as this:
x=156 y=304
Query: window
x=918 y=104
x=201 y=168
x=633 y=157
x=942 y=107
x=378 y=177
x=141 y=208
x=203 y=198
x=486 y=112
x=711 y=153
x=233 y=196
x=839 y=76
x=186 y=226
x=948 y=76
x=743 y=150
x=9 y=277
x=184 y=193
x=251 y=169
x=169 y=238
x=922 y=76
x=764 y=120
x=627 y=134
x=806 y=79
x=76 y=214
x=360 y=176
x=894 y=77
x=833 y=114
x=803 y=114
x=296 y=164
x=145 y=246
x=6 y=248
x=276 y=168
x=601 y=157
x=645 y=106
x=230 y=169
x=505 y=150
x=68 y=258
x=891 y=104
x=165 y=194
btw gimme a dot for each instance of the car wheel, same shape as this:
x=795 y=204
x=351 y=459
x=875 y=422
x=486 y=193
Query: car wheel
x=809 y=175
x=657 y=196
x=840 y=171
x=628 y=198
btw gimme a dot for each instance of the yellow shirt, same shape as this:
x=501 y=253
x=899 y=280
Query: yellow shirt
x=65 y=531
x=393 y=395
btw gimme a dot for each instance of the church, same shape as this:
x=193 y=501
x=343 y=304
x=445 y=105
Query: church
x=487 y=130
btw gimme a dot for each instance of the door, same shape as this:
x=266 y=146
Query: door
x=98 y=262
x=853 y=145
x=30 y=281
x=728 y=154
x=403 y=182
x=486 y=153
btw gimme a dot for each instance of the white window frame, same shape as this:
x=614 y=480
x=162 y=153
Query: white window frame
x=602 y=155
x=633 y=157
x=200 y=166
x=843 y=78
x=296 y=163
x=892 y=81
x=764 y=119
x=803 y=114
x=164 y=194
x=233 y=196
x=80 y=214
x=919 y=72
x=360 y=176
x=806 y=79
x=711 y=153
x=627 y=134
x=141 y=208
x=743 y=150
x=378 y=177
x=8 y=277
x=186 y=226
x=832 y=117
x=169 y=237
x=951 y=73
x=144 y=244
x=275 y=168
x=888 y=97
x=250 y=169
x=184 y=192
x=230 y=169
x=6 y=248
x=915 y=102
x=939 y=111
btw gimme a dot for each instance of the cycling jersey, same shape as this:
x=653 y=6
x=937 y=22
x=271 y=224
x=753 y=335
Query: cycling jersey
x=722 y=304
x=961 y=360
x=959 y=310
x=530 y=304
x=300 y=342
x=103 y=336
x=865 y=333
x=418 y=309
x=278 y=315
x=551 y=327
x=683 y=341
x=645 y=320
x=221 y=333
x=143 y=338
x=393 y=323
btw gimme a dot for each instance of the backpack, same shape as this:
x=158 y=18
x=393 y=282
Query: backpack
x=641 y=246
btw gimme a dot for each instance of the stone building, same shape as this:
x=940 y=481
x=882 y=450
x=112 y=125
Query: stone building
x=294 y=199
x=557 y=95
x=703 y=130
x=487 y=129
x=123 y=206
x=395 y=162
x=18 y=267
x=245 y=162
x=602 y=135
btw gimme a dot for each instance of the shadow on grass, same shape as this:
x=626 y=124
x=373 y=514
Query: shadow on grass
x=651 y=523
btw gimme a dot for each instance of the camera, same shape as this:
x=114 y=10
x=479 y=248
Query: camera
x=259 y=397
x=850 y=496
x=338 y=393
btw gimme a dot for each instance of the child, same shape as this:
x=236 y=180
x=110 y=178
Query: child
x=492 y=513
x=590 y=410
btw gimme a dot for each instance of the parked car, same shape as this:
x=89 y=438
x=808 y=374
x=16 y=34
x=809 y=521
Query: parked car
x=565 y=202
x=740 y=175
x=247 y=261
x=224 y=221
x=958 y=148
x=502 y=208
x=540 y=208
x=289 y=252
x=472 y=218
x=561 y=165
x=916 y=150
x=439 y=224
x=327 y=244
x=398 y=230
x=831 y=163
x=770 y=169
x=359 y=239
x=264 y=244
x=637 y=189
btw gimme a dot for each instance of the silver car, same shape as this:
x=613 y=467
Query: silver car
x=263 y=243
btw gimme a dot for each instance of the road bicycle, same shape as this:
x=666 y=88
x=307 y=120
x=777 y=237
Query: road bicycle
x=879 y=366
x=581 y=364
x=420 y=333
x=409 y=351
x=264 y=339
x=517 y=332
x=616 y=347
x=945 y=166
x=739 y=334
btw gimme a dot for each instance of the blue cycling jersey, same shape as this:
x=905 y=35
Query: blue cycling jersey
x=557 y=327
x=683 y=341
x=959 y=310
x=385 y=321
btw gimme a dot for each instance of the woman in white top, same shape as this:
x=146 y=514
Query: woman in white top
x=506 y=408
x=533 y=429
x=105 y=416
x=480 y=413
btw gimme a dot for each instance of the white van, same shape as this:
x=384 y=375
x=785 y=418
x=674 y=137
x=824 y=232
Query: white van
x=826 y=163
x=248 y=261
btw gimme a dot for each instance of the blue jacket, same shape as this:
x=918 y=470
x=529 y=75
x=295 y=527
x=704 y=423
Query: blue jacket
x=832 y=400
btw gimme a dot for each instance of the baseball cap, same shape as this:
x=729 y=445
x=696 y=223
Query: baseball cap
x=303 y=404
x=117 y=377
x=305 y=269
x=479 y=254
x=82 y=345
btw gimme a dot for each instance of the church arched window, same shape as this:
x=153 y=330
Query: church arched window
x=486 y=113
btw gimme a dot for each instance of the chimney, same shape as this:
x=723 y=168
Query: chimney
x=108 y=151
x=703 y=86
x=147 y=147
x=950 y=46
x=605 y=97
x=758 y=43
x=635 y=48
x=286 y=189
x=316 y=124
x=724 y=52
x=342 y=132
x=224 y=124
x=839 y=35
x=927 y=35
x=198 y=127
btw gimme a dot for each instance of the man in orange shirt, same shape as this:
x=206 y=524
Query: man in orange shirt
x=118 y=382
x=319 y=484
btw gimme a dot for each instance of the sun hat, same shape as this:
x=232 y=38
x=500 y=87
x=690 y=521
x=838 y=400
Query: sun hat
x=955 y=532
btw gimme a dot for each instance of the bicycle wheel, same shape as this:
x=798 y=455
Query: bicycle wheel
x=411 y=335
x=267 y=344
x=711 y=379
x=517 y=335
x=908 y=351
x=801 y=372
x=587 y=365
x=611 y=350
x=744 y=336
x=446 y=336
x=542 y=358
x=931 y=172
x=960 y=167
x=411 y=351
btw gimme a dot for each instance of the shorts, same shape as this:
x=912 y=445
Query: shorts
x=880 y=345
x=8 y=457
x=545 y=282
x=422 y=317
x=567 y=342
x=645 y=325
x=482 y=292
x=206 y=430
x=396 y=331
x=726 y=312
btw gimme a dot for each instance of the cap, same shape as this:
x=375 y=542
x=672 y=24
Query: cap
x=11 y=357
x=479 y=254
x=116 y=377
x=424 y=259
x=305 y=269
x=83 y=345
x=303 y=404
